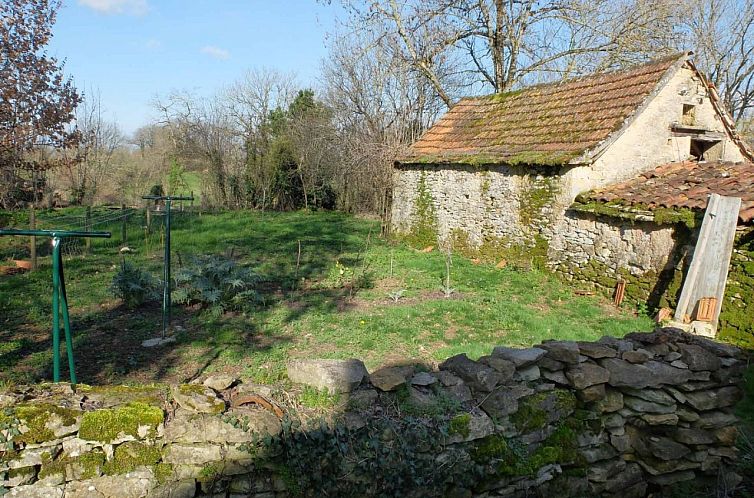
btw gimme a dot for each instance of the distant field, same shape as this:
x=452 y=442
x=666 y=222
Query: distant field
x=398 y=312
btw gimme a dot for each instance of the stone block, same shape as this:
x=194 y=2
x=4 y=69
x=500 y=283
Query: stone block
x=337 y=376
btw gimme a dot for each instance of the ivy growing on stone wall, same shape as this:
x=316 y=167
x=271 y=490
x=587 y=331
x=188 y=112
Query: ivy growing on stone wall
x=424 y=227
x=387 y=458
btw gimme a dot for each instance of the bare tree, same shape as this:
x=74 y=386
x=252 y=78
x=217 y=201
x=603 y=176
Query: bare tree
x=379 y=104
x=463 y=45
x=202 y=126
x=99 y=140
x=721 y=33
x=250 y=102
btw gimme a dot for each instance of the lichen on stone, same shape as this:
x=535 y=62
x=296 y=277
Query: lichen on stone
x=90 y=465
x=130 y=455
x=35 y=417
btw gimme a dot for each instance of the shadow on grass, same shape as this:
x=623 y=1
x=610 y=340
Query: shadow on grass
x=107 y=340
x=107 y=348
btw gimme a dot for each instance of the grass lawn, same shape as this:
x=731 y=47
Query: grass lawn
x=307 y=312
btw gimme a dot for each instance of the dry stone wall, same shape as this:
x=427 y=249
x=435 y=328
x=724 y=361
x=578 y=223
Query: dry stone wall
x=617 y=417
x=477 y=204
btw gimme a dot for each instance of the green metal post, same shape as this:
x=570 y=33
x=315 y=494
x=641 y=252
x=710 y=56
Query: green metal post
x=55 y=309
x=59 y=296
x=67 y=324
x=166 y=287
x=166 y=304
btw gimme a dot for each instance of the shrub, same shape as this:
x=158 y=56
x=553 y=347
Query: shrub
x=215 y=282
x=134 y=285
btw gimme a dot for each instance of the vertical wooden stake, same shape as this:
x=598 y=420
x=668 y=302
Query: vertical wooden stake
x=33 y=239
x=298 y=260
x=88 y=225
x=620 y=292
x=123 y=234
x=149 y=218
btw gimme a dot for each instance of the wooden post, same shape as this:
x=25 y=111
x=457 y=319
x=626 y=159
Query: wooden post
x=33 y=239
x=123 y=234
x=88 y=228
x=149 y=218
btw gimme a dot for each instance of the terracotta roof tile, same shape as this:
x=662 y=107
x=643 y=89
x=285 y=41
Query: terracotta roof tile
x=543 y=124
x=684 y=185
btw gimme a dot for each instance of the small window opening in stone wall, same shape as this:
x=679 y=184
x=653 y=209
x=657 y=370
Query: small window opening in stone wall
x=689 y=115
x=702 y=150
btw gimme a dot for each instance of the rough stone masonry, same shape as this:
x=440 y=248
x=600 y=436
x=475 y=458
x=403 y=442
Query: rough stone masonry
x=617 y=417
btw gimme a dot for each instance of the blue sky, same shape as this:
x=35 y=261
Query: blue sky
x=132 y=50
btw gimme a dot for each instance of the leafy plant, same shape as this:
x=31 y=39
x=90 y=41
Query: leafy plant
x=134 y=285
x=216 y=282
x=313 y=398
x=339 y=275
x=642 y=309
x=8 y=429
x=396 y=295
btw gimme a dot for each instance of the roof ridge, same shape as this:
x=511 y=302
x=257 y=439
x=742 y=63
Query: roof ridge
x=676 y=56
x=549 y=124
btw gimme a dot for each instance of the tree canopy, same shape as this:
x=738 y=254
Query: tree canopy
x=37 y=101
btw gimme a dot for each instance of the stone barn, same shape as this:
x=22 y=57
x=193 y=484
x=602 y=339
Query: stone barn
x=601 y=177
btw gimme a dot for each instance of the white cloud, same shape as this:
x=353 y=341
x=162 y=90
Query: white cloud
x=216 y=52
x=133 y=7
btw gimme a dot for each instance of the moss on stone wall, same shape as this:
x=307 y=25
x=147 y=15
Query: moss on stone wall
x=736 y=318
x=85 y=466
x=423 y=230
x=106 y=425
x=536 y=194
x=117 y=395
x=460 y=425
x=652 y=290
x=495 y=249
x=639 y=212
x=37 y=418
x=657 y=290
x=512 y=458
x=130 y=455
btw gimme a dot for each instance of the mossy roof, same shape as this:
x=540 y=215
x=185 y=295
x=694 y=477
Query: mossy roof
x=686 y=184
x=549 y=124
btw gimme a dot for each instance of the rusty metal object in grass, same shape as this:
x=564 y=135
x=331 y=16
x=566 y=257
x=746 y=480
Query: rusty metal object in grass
x=255 y=399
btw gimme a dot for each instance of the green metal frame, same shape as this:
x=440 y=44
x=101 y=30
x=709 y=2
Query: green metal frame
x=59 y=296
x=166 y=301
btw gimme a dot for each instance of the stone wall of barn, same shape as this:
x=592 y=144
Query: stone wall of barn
x=482 y=207
x=477 y=209
x=618 y=417
x=596 y=251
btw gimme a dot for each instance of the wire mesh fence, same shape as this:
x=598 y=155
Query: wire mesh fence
x=129 y=225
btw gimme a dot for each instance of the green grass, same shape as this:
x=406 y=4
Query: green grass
x=306 y=312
